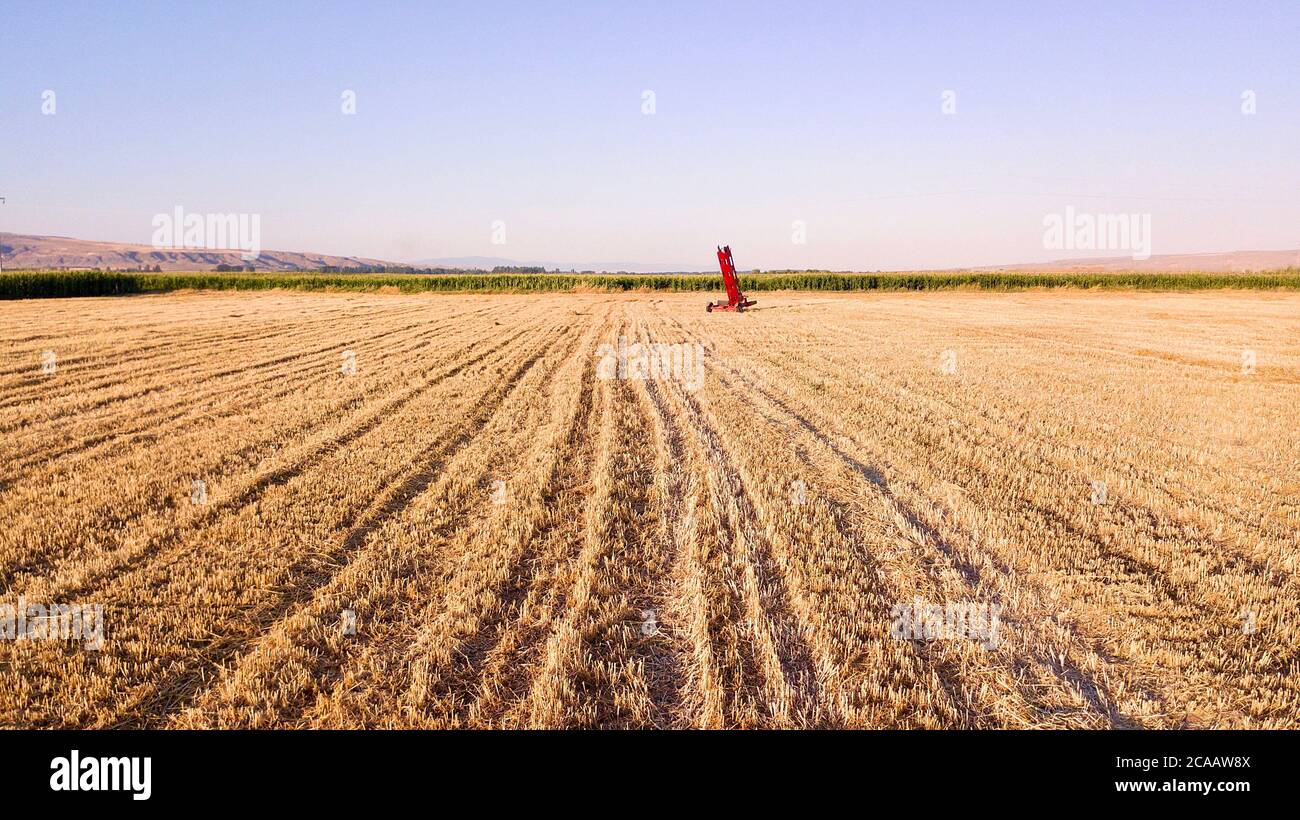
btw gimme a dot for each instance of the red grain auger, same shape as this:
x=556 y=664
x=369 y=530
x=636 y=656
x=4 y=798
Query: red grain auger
x=735 y=299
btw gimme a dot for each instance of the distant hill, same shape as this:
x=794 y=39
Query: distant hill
x=28 y=251
x=1225 y=262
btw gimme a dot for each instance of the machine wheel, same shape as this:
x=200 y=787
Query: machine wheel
x=709 y=307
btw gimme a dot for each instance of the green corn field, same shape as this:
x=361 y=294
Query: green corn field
x=63 y=283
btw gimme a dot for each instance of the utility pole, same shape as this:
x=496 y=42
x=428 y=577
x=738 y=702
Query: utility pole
x=2 y=245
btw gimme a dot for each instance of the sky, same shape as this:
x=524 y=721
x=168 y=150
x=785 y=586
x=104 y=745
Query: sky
x=847 y=136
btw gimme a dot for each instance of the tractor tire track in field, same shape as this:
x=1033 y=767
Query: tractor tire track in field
x=595 y=666
x=1056 y=655
x=975 y=583
x=314 y=571
x=190 y=406
x=507 y=661
x=1113 y=460
x=110 y=378
x=107 y=427
x=188 y=452
x=368 y=550
x=778 y=659
x=387 y=650
x=449 y=504
x=797 y=523
x=991 y=577
x=655 y=552
x=695 y=694
x=199 y=429
x=247 y=492
x=498 y=567
x=183 y=568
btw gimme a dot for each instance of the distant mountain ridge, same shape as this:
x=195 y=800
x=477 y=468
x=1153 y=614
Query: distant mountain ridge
x=1221 y=262
x=31 y=251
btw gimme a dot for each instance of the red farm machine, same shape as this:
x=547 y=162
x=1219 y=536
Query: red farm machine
x=735 y=299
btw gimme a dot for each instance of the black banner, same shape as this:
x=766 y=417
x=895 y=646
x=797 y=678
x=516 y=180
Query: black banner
x=143 y=771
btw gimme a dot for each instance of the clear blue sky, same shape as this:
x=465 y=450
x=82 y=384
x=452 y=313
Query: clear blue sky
x=766 y=113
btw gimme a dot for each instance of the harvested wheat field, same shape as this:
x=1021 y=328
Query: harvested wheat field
x=966 y=510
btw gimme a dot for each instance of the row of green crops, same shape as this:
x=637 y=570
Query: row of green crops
x=55 y=283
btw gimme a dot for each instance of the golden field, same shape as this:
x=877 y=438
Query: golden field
x=441 y=511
